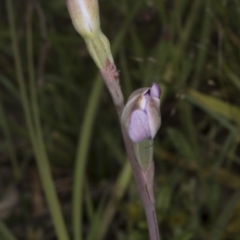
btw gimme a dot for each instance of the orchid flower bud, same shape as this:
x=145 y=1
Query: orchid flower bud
x=141 y=115
x=85 y=18
x=141 y=118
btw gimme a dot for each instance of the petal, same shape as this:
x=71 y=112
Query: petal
x=131 y=105
x=153 y=113
x=137 y=93
x=142 y=101
x=156 y=102
x=155 y=90
x=138 y=128
x=127 y=111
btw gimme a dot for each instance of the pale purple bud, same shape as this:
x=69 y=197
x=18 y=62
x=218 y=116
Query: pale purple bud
x=141 y=115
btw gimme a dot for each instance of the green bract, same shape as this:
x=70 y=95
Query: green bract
x=85 y=18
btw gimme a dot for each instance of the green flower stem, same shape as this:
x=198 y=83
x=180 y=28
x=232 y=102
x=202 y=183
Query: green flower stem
x=23 y=92
x=34 y=128
x=43 y=162
x=82 y=150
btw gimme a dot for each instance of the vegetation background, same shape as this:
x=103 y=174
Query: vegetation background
x=59 y=130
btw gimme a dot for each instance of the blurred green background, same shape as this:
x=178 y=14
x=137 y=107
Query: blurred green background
x=59 y=130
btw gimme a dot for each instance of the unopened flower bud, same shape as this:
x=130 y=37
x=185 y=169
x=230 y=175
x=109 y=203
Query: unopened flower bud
x=141 y=115
x=85 y=18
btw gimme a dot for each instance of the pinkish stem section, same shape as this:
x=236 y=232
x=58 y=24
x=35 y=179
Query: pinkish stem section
x=111 y=78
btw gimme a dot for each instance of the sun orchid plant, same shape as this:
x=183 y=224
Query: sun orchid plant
x=140 y=117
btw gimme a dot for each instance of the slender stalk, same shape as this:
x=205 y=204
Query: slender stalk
x=18 y=66
x=42 y=161
x=35 y=135
x=111 y=79
x=82 y=151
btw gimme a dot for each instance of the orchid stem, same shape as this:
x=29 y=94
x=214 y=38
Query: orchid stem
x=111 y=79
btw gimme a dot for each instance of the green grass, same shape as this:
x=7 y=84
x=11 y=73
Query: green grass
x=57 y=117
